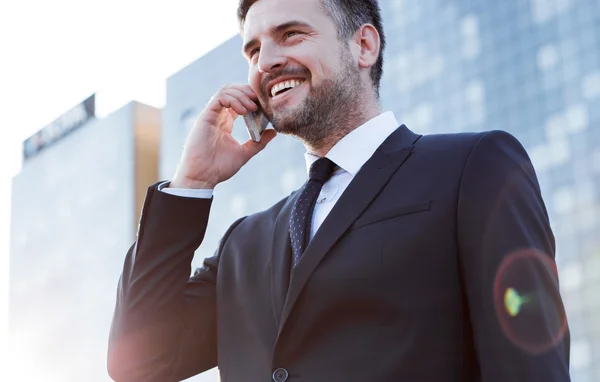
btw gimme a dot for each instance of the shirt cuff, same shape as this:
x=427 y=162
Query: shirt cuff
x=185 y=192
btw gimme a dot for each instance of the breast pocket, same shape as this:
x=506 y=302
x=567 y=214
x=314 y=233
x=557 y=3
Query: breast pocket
x=378 y=215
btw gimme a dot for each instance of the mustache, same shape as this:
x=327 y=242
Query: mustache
x=283 y=72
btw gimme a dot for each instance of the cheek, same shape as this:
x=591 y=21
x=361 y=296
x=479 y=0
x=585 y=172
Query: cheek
x=317 y=71
x=254 y=80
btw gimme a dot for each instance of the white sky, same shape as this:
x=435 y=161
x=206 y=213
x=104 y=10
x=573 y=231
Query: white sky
x=53 y=54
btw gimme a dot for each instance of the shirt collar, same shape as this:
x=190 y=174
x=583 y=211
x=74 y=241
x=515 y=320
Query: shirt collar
x=355 y=149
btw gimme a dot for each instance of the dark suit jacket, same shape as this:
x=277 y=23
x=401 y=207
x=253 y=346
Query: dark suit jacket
x=406 y=279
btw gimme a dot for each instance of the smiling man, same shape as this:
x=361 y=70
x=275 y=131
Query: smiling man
x=402 y=258
x=310 y=84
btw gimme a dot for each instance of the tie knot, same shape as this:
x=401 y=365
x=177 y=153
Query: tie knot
x=321 y=170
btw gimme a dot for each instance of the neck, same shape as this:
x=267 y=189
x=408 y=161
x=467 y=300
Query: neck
x=344 y=126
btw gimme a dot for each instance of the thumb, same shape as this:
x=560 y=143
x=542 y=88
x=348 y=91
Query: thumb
x=252 y=148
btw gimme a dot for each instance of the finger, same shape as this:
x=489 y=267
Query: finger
x=243 y=98
x=246 y=89
x=222 y=99
x=252 y=148
x=231 y=102
x=233 y=114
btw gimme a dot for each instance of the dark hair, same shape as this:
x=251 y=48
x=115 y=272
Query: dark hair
x=348 y=15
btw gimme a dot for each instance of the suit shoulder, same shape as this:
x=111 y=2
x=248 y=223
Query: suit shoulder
x=468 y=140
x=454 y=151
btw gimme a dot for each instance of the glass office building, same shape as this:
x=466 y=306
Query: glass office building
x=529 y=67
x=532 y=68
x=75 y=208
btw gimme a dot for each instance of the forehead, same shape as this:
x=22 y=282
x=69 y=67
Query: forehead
x=266 y=14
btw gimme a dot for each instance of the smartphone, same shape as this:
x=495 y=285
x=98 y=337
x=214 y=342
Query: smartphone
x=256 y=123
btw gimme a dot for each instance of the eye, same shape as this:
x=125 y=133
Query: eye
x=291 y=34
x=253 y=52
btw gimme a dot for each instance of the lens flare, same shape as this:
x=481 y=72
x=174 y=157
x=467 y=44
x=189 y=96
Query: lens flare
x=513 y=301
x=528 y=303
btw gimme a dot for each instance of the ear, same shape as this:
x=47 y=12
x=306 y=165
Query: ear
x=367 y=44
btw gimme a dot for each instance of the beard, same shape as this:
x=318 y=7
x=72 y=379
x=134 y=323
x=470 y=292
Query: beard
x=329 y=111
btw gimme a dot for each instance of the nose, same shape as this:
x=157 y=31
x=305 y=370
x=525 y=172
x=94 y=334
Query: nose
x=270 y=58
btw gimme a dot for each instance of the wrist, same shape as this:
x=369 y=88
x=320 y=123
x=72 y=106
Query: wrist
x=189 y=183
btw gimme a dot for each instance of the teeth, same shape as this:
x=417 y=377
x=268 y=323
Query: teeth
x=284 y=85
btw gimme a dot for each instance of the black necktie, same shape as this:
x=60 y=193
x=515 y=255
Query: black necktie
x=300 y=221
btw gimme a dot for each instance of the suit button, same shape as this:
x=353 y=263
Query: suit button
x=280 y=375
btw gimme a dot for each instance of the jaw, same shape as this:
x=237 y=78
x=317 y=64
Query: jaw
x=324 y=115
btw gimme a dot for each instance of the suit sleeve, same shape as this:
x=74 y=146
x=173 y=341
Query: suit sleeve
x=507 y=261
x=164 y=325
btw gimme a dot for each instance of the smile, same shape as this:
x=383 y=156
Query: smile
x=283 y=86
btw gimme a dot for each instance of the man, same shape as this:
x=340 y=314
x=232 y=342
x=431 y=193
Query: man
x=403 y=258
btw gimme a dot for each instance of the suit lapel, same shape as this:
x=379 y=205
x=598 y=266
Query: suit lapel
x=363 y=189
x=281 y=258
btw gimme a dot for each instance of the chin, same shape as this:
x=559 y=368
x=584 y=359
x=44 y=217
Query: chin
x=282 y=124
x=287 y=112
x=290 y=123
x=288 y=105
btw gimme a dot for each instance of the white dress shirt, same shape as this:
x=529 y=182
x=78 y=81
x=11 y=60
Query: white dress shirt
x=350 y=154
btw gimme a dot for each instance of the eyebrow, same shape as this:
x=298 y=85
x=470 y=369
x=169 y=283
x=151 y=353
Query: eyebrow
x=275 y=30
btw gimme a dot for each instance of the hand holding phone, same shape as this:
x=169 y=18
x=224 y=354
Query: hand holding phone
x=256 y=123
x=210 y=155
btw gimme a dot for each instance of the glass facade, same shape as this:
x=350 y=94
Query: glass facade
x=74 y=216
x=529 y=67
x=532 y=68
